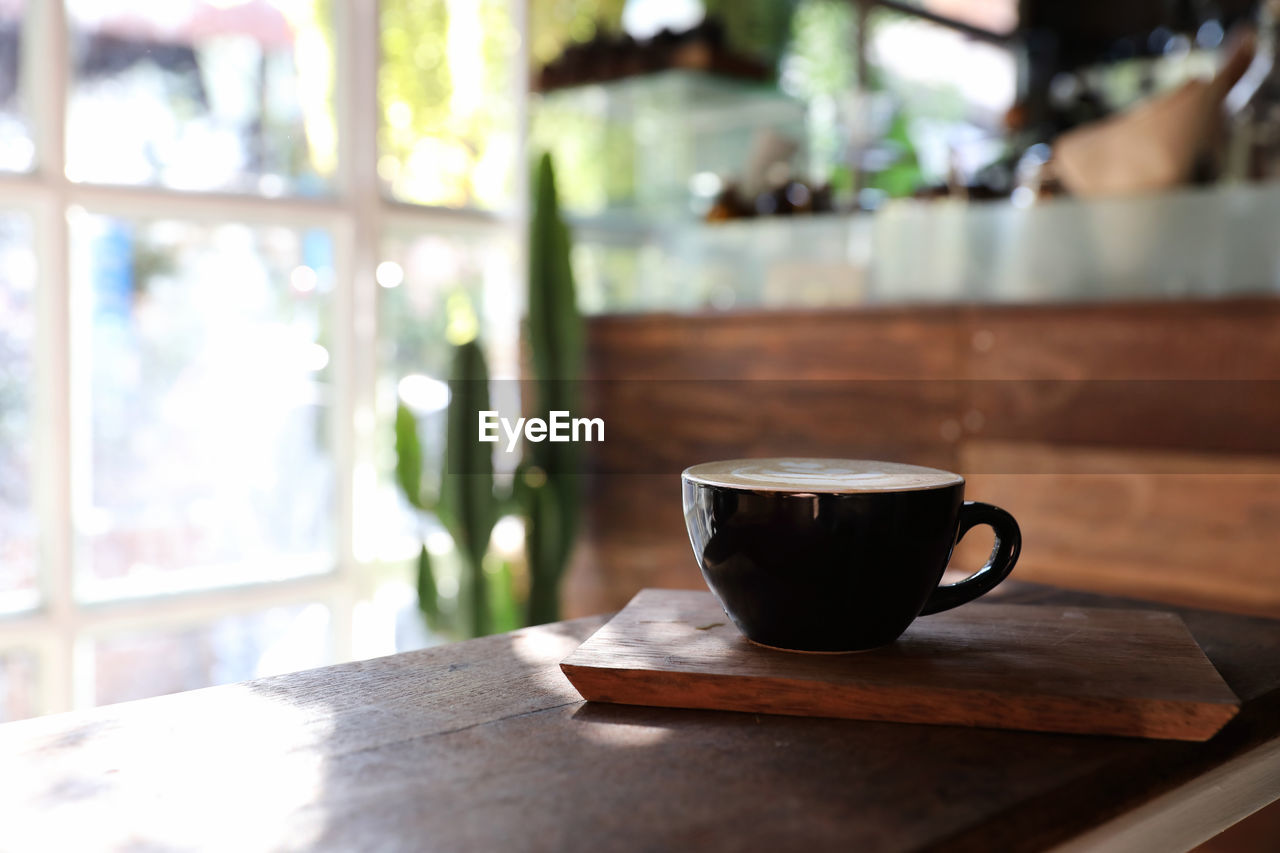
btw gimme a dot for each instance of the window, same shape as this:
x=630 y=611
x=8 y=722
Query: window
x=18 y=684
x=229 y=230
x=436 y=290
x=202 y=95
x=121 y=665
x=448 y=133
x=209 y=344
x=17 y=148
x=947 y=91
x=18 y=542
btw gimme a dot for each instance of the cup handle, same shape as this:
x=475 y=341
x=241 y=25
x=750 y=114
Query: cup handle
x=1004 y=555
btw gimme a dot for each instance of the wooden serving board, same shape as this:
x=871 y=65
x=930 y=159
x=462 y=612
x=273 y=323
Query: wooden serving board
x=1137 y=673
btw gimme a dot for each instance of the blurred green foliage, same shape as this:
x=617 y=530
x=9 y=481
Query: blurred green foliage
x=549 y=483
x=904 y=176
x=821 y=57
x=467 y=505
x=598 y=150
x=555 y=24
x=821 y=67
x=760 y=28
x=447 y=130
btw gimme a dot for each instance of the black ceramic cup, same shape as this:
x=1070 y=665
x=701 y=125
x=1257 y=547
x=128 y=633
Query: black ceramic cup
x=835 y=555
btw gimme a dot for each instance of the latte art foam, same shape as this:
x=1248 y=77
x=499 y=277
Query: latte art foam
x=828 y=476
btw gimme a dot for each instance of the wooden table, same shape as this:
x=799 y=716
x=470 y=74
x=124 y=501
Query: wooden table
x=485 y=746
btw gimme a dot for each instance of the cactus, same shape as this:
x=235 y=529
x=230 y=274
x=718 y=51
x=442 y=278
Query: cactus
x=408 y=456
x=547 y=485
x=428 y=597
x=549 y=482
x=467 y=505
x=409 y=479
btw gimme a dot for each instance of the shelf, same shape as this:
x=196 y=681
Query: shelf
x=1194 y=243
x=701 y=94
x=632 y=146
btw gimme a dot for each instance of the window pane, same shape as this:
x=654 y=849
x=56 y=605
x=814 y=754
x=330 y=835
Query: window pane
x=448 y=134
x=556 y=24
x=17 y=378
x=635 y=147
x=942 y=103
x=17 y=150
x=202 y=94
x=18 y=674
x=236 y=648
x=206 y=360
x=440 y=289
x=437 y=290
x=615 y=276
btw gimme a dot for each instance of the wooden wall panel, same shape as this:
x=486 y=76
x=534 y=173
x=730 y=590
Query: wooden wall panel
x=1182 y=527
x=1224 y=416
x=791 y=345
x=1203 y=375
x=635 y=539
x=678 y=390
x=663 y=426
x=1127 y=437
x=1215 y=340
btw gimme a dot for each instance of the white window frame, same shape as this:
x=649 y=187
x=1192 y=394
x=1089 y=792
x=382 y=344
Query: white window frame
x=357 y=215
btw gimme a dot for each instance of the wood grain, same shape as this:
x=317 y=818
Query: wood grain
x=1185 y=394
x=874 y=343
x=681 y=389
x=1215 y=340
x=485 y=746
x=1189 y=528
x=1238 y=788
x=1133 y=673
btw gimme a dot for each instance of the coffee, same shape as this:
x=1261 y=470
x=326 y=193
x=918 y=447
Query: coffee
x=835 y=554
x=834 y=476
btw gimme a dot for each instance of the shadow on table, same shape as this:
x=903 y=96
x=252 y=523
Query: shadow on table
x=486 y=746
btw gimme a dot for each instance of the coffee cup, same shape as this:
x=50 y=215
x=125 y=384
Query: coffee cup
x=835 y=555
